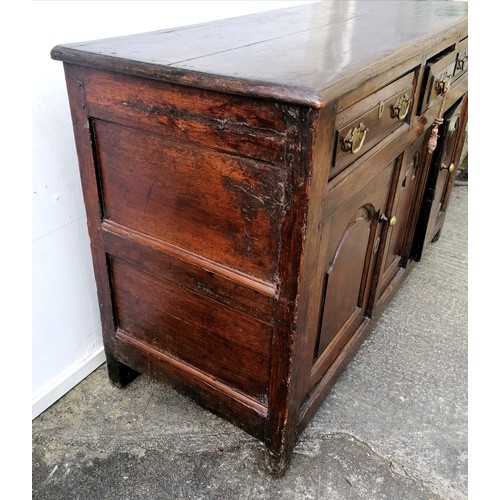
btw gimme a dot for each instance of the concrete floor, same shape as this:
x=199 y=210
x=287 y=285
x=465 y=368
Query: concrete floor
x=394 y=426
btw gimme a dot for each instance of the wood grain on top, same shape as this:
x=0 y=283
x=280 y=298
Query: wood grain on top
x=300 y=54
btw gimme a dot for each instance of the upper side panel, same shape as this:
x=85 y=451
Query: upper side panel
x=193 y=169
x=223 y=208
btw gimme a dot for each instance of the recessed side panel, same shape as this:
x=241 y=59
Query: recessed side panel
x=217 y=206
x=236 y=124
x=211 y=337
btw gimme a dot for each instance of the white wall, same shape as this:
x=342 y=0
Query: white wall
x=66 y=338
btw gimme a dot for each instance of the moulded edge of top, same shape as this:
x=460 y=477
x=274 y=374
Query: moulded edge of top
x=301 y=96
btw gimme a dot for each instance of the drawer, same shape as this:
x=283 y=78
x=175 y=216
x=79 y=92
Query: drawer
x=462 y=60
x=439 y=71
x=366 y=123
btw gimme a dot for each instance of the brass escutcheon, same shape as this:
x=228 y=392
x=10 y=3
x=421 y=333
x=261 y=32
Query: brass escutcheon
x=381 y=108
x=355 y=138
x=401 y=107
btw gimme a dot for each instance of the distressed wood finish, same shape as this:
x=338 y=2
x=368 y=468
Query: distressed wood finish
x=234 y=223
x=170 y=319
x=238 y=125
x=242 y=252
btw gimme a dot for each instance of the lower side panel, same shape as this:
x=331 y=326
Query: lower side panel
x=186 y=333
x=215 y=339
x=208 y=392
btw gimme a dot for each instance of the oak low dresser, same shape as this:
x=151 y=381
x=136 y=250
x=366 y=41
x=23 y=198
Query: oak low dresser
x=257 y=189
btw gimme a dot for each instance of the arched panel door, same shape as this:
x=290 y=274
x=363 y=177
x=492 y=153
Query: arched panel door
x=354 y=230
x=346 y=276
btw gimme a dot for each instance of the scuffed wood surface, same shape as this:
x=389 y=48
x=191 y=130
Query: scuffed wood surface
x=269 y=54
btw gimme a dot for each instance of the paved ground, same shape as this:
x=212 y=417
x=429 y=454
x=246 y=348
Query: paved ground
x=394 y=426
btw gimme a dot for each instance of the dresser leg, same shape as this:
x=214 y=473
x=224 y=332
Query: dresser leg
x=119 y=374
x=276 y=464
x=436 y=237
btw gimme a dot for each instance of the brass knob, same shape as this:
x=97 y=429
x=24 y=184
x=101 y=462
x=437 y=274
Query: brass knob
x=392 y=221
x=450 y=169
x=355 y=138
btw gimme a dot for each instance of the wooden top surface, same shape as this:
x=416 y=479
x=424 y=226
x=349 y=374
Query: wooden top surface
x=307 y=54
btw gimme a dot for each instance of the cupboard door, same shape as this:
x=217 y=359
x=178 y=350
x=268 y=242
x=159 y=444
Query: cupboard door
x=440 y=178
x=353 y=237
x=398 y=218
x=444 y=168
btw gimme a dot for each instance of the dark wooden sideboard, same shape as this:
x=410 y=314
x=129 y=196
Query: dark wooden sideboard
x=257 y=189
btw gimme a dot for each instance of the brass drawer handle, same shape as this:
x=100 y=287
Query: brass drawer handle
x=355 y=138
x=401 y=107
x=461 y=62
x=443 y=84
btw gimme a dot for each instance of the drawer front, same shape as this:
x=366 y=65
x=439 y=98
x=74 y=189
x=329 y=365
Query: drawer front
x=366 y=123
x=438 y=74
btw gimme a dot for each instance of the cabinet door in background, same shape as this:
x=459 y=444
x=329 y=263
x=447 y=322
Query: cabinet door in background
x=398 y=220
x=443 y=169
